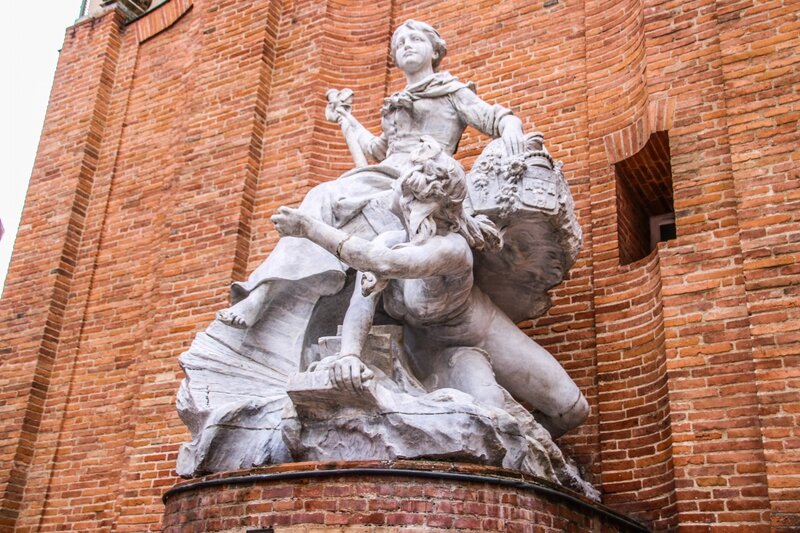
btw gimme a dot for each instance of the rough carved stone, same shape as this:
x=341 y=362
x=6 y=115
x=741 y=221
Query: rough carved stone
x=272 y=380
x=397 y=418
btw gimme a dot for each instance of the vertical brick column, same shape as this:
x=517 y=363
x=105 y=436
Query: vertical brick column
x=354 y=50
x=635 y=433
x=188 y=119
x=90 y=411
x=761 y=71
x=39 y=286
x=54 y=443
x=225 y=56
x=323 y=45
x=717 y=450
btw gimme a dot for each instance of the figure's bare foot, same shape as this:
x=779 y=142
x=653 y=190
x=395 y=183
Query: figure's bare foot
x=573 y=417
x=246 y=313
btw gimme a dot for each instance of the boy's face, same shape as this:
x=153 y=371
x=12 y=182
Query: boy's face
x=413 y=50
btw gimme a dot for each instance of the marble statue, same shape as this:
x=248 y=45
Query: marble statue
x=383 y=324
x=356 y=202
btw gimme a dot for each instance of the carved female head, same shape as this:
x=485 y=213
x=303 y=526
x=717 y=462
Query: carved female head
x=412 y=28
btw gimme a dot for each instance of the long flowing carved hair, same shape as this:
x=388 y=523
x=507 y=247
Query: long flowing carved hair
x=432 y=196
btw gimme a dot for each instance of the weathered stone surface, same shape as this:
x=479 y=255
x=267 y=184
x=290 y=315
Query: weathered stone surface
x=232 y=402
x=395 y=417
x=443 y=255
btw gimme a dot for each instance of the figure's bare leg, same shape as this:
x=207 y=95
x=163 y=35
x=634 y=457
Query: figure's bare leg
x=469 y=370
x=530 y=373
x=247 y=312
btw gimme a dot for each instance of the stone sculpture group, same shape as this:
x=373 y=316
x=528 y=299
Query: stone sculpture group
x=382 y=326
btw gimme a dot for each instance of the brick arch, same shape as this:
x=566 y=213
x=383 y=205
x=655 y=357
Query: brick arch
x=658 y=116
x=640 y=155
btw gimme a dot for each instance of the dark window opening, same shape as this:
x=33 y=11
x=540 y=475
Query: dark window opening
x=645 y=212
x=668 y=232
x=662 y=228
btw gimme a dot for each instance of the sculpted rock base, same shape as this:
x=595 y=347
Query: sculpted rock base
x=394 y=417
x=243 y=414
x=232 y=403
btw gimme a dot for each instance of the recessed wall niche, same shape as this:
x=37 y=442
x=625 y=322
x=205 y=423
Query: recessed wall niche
x=645 y=212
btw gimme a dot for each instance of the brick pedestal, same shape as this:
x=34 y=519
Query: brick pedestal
x=381 y=497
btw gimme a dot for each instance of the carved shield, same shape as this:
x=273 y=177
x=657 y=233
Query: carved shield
x=539 y=192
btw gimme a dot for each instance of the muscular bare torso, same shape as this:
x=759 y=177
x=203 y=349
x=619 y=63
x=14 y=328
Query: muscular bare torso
x=432 y=300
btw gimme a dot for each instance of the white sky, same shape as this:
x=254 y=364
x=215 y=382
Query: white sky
x=31 y=33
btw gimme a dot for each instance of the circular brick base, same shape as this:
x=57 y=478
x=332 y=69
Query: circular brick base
x=381 y=497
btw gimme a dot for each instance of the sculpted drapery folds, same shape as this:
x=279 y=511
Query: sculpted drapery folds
x=296 y=369
x=434 y=104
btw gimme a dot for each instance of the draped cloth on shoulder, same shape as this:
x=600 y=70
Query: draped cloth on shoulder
x=436 y=86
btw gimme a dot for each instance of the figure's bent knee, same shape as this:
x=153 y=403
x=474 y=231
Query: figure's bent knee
x=489 y=394
x=572 y=416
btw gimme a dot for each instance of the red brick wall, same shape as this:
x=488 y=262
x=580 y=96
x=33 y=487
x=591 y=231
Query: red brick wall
x=169 y=143
x=761 y=74
x=39 y=299
x=377 y=497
